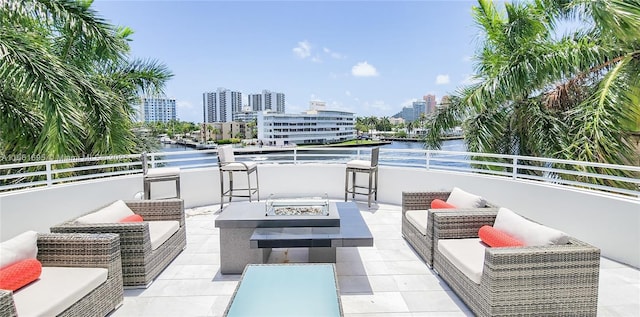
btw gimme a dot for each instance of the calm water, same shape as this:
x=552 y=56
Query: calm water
x=410 y=159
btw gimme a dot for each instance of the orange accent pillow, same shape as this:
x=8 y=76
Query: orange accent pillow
x=19 y=274
x=496 y=238
x=441 y=204
x=132 y=218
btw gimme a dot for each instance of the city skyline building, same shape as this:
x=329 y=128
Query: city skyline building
x=220 y=106
x=157 y=109
x=431 y=103
x=310 y=127
x=267 y=100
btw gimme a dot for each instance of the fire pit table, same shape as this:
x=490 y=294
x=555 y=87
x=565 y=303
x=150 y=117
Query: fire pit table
x=249 y=230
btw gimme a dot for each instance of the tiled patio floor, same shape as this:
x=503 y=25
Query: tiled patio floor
x=388 y=279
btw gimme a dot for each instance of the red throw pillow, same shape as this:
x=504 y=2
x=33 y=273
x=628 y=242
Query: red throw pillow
x=441 y=204
x=496 y=238
x=132 y=218
x=19 y=274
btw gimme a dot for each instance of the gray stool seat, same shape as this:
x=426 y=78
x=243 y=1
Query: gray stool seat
x=228 y=164
x=365 y=167
x=161 y=174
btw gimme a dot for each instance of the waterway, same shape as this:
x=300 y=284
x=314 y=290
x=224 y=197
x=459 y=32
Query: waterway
x=409 y=159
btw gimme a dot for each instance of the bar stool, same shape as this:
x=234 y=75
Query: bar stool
x=227 y=163
x=367 y=167
x=161 y=174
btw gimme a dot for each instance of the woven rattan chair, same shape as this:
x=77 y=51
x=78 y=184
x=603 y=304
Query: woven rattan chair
x=421 y=243
x=553 y=280
x=80 y=250
x=140 y=264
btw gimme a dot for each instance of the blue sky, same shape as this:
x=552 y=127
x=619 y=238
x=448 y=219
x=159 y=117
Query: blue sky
x=367 y=57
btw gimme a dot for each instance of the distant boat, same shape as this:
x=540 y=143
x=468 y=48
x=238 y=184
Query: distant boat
x=167 y=140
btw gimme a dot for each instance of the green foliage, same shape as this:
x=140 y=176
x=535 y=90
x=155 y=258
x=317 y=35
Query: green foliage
x=66 y=81
x=537 y=93
x=229 y=141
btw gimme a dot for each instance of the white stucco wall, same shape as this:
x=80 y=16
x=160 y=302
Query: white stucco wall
x=610 y=223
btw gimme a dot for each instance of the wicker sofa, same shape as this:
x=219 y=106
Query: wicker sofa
x=546 y=280
x=418 y=238
x=70 y=251
x=141 y=264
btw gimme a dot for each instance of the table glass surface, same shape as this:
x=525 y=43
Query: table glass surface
x=286 y=290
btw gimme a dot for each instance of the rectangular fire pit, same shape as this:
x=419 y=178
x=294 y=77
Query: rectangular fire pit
x=301 y=206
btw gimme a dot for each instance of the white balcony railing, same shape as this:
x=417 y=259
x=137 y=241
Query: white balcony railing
x=610 y=179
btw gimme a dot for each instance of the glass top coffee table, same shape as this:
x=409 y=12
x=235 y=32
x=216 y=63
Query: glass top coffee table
x=286 y=290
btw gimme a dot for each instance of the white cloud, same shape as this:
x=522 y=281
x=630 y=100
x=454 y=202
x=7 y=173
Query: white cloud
x=348 y=93
x=467 y=58
x=442 y=79
x=303 y=50
x=364 y=69
x=316 y=59
x=333 y=54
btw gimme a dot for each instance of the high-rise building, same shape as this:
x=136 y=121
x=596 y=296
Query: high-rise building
x=220 y=106
x=431 y=103
x=419 y=108
x=156 y=109
x=408 y=114
x=267 y=100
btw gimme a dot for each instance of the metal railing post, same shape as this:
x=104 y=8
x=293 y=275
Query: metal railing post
x=143 y=161
x=428 y=159
x=515 y=168
x=49 y=175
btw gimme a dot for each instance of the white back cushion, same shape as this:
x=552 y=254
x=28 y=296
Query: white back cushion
x=527 y=231
x=21 y=247
x=462 y=199
x=109 y=214
x=226 y=154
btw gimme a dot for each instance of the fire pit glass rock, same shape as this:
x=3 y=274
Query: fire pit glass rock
x=298 y=206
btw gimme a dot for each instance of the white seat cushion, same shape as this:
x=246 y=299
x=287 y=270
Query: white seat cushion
x=57 y=289
x=163 y=171
x=239 y=166
x=418 y=218
x=359 y=164
x=467 y=255
x=462 y=199
x=21 y=247
x=527 y=231
x=109 y=214
x=160 y=231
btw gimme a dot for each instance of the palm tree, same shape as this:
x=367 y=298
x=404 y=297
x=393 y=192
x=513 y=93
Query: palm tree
x=539 y=93
x=66 y=81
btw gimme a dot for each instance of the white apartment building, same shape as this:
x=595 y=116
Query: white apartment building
x=310 y=127
x=267 y=100
x=220 y=106
x=156 y=109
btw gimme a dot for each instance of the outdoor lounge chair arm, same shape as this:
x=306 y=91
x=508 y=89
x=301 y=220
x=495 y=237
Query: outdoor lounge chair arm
x=134 y=236
x=79 y=250
x=420 y=200
x=156 y=210
x=7 y=308
x=557 y=267
x=460 y=224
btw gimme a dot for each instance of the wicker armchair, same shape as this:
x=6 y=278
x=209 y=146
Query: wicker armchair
x=140 y=263
x=423 y=244
x=525 y=281
x=80 y=250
